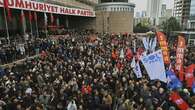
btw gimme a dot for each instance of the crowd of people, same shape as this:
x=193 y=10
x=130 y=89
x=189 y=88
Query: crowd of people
x=75 y=73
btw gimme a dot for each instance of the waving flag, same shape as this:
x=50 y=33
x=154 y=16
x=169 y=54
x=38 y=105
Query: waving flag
x=122 y=56
x=129 y=54
x=114 y=54
x=133 y=63
x=193 y=87
x=145 y=42
x=155 y=66
x=6 y=5
x=189 y=76
x=139 y=53
x=153 y=45
x=176 y=98
x=137 y=70
x=180 y=53
x=164 y=46
x=172 y=81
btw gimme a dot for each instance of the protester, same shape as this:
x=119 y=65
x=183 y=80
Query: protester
x=73 y=74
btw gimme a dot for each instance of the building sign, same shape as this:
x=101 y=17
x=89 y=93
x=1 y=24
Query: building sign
x=49 y=8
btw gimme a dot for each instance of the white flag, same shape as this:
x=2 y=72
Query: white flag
x=145 y=42
x=133 y=63
x=137 y=70
x=122 y=55
x=153 y=44
x=154 y=65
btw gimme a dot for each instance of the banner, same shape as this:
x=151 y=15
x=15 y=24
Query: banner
x=180 y=53
x=46 y=7
x=172 y=81
x=137 y=70
x=164 y=46
x=6 y=5
x=114 y=54
x=153 y=44
x=189 y=76
x=176 y=98
x=154 y=65
x=145 y=41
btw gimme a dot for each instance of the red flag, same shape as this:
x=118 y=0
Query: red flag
x=139 y=53
x=119 y=65
x=129 y=54
x=181 y=74
x=164 y=46
x=6 y=5
x=114 y=55
x=180 y=53
x=189 y=76
x=181 y=104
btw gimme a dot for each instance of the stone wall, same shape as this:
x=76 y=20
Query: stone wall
x=118 y=22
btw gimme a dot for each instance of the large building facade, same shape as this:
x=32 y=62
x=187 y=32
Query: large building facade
x=192 y=16
x=182 y=11
x=154 y=8
x=68 y=14
x=114 y=16
x=191 y=24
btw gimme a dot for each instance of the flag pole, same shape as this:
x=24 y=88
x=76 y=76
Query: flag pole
x=6 y=25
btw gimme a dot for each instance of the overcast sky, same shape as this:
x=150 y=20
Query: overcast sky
x=142 y=4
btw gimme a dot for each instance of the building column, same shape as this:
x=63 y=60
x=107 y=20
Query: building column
x=67 y=22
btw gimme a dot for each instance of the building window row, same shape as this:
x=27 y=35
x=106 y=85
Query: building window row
x=115 y=9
